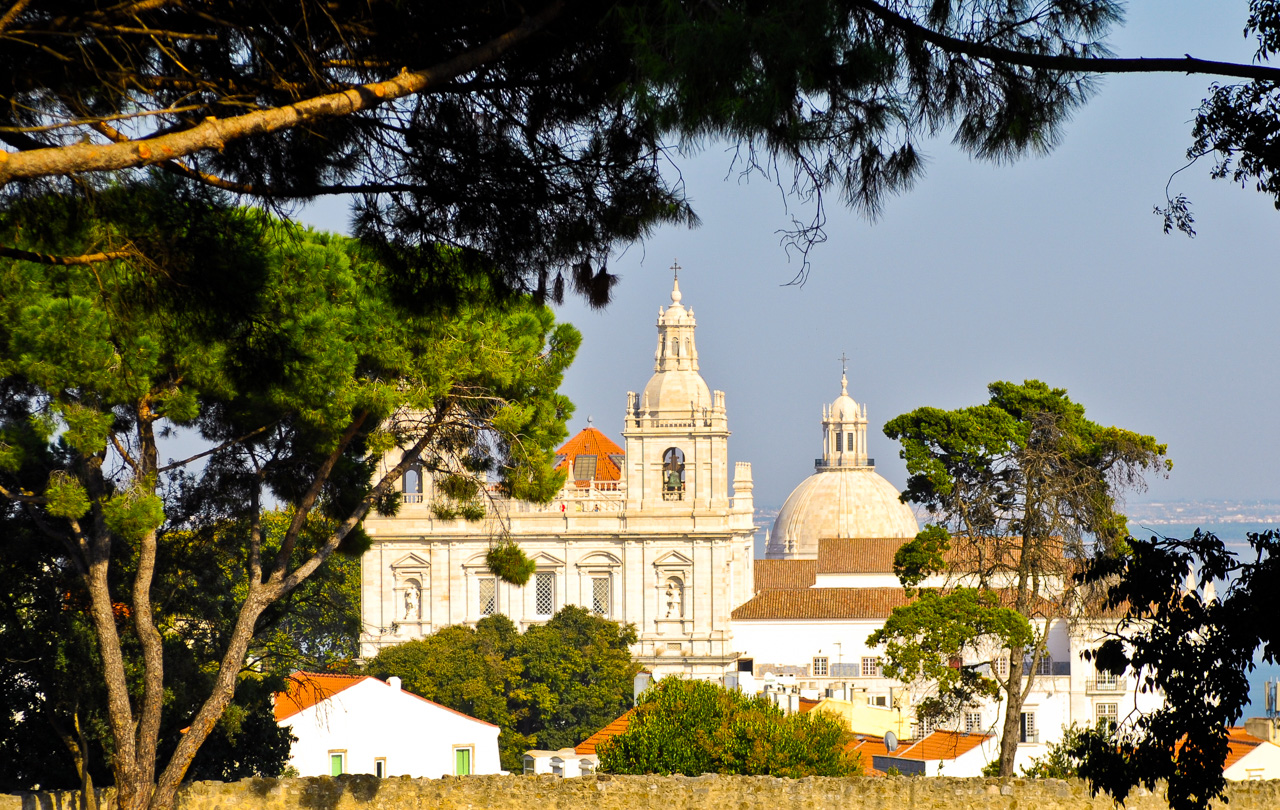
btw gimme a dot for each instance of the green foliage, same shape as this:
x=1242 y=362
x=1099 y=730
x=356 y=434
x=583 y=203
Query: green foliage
x=1194 y=650
x=1059 y=760
x=924 y=641
x=1022 y=490
x=696 y=727
x=133 y=513
x=922 y=556
x=551 y=687
x=296 y=360
x=66 y=497
x=508 y=563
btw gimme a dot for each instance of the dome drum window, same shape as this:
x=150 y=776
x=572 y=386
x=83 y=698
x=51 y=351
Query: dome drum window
x=411 y=485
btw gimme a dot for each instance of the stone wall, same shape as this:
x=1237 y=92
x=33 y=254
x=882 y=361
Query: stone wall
x=648 y=793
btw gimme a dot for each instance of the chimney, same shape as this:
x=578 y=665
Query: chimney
x=394 y=683
x=1263 y=728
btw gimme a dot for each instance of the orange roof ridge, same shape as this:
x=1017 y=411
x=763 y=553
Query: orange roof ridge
x=591 y=442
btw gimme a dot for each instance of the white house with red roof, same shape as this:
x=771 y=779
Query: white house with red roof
x=359 y=724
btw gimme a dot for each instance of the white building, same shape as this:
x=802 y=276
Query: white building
x=359 y=724
x=654 y=535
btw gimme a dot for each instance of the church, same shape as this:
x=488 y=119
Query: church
x=653 y=533
x=657 y=534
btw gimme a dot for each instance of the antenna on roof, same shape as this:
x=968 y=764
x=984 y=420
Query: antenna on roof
x=890 y=741
x=1270 y=693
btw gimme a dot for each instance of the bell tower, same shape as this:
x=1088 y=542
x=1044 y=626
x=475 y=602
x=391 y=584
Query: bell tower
x=676 y=429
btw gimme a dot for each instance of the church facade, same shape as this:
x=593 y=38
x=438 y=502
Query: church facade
x=655 y=534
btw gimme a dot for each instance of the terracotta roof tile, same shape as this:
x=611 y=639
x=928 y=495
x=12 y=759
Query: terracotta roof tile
x=306 y=689
x=588 y=746
x=822 y=603
x=857 y=555
x=591 y=442
x=1239 y=744
x=771 y=575
x=941 y=745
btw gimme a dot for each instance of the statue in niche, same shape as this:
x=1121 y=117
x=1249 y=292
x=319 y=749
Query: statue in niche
x=675 y=599
x=411 y=602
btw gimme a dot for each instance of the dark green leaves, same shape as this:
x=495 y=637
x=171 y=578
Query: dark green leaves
x=696 y=727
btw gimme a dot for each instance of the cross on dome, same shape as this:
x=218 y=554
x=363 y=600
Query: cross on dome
x=675 y=286
x=844 y=375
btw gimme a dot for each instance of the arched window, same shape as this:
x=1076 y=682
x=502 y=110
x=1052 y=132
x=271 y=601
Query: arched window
x=412 y=485
x=673 y=474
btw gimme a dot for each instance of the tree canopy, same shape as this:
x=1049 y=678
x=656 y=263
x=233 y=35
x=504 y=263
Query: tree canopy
x=550 y=687
x=695 y=727
x=1023 y=489
x=1193 y=644
x=298 y=361
x=536 y=134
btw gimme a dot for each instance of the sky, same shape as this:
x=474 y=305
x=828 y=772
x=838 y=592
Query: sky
x=1052 y=268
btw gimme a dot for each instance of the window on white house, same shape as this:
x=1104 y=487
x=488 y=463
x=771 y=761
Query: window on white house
x=972 y=722
x=925 y=726
x=1045 y=665
x=1107 y=715
x=544 y=594
x=337 y=763
x=870 y=667
x=601 y=595
x=820 y=666
x=380 y=767
x=1107 y=680
x=878 y=700
x=1027 y=727
x=1002 y=667
x=529 y=767
x=488 y=591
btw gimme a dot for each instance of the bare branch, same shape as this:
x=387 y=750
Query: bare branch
x=213 y=133
x=63 y=261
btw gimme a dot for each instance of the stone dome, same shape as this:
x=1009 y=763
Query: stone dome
x=838 y=502
x=676 y=391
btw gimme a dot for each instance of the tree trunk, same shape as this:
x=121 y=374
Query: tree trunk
x=1011 y=733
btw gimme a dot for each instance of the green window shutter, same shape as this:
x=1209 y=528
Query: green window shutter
x=335 y=764
x=462 y=761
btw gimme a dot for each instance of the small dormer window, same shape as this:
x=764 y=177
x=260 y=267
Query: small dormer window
x=584 y=468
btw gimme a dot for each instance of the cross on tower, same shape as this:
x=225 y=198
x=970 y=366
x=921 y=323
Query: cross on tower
x=844 y=364
x=675 y=268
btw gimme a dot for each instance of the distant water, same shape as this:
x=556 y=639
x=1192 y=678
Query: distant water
x=1234 y=536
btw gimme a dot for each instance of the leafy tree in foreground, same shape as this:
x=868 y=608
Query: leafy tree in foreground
x=1024 y=489
x=1192 y=647
x=536 y=133
x=298 y=363
x=550 y=687
x=696 y=727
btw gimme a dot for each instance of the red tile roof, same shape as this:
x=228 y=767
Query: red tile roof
x=822 y=603
x=1239 y=744
x=591 y=442
x=772 y=575
x=306 y=689
x=857 y=555
x=940 y=745
x=588 y=746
